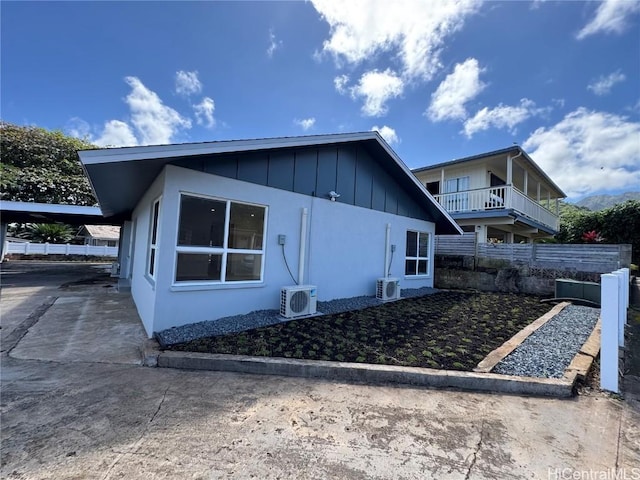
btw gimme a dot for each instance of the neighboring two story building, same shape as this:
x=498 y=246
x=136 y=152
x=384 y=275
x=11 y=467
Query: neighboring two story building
x=501 y=195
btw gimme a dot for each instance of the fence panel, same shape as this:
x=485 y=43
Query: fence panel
x=28 y=248
x=456 y=244
x=593 y=258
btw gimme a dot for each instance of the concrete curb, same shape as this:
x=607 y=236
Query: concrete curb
x=368 y=373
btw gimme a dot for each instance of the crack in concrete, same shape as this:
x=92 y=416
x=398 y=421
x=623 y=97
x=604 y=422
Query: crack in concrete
x=138 y=443
x=476 y=451
x=21 y=330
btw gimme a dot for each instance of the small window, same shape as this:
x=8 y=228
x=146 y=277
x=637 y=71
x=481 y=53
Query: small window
x=219 y=241
x=153 y=239
x=417 y=253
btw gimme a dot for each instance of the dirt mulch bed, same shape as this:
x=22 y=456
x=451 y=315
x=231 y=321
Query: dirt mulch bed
x=448 y=330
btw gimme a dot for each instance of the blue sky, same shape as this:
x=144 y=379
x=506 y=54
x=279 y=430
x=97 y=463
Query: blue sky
x=439 y=79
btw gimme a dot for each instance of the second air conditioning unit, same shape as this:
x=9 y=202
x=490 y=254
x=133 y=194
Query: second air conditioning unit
x=388 y=289
x=298 y=300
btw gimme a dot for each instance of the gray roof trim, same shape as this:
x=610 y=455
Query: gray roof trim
x=156 y=156
x=124 y=154
x=516 y=150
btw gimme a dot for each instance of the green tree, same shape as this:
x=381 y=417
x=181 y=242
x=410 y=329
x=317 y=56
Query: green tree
x=48 y=233
x=617 y=224
x=37 y=165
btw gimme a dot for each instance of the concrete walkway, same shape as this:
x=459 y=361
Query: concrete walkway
x=68 y=414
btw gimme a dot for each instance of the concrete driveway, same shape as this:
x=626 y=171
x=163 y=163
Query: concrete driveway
x=68 y=413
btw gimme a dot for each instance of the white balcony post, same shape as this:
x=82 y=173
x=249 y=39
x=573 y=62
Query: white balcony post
x=509 y=170
x=610 y=285
x=526 y=183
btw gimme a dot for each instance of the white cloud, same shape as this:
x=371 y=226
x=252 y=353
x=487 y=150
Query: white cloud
x=388 y=133
x=603 y=85
x=273 y=44
x=611 y=17
x=458 y=88
x=415 y=31
x=116 y=134
x=154 y=122
x=502 y=116
x=77 y=127
x=377 y=88
x=589 y=151
x=340 y=83
x=204 y=112
x=187 y=83
x=305 y=123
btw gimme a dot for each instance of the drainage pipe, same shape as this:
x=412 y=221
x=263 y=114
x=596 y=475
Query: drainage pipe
x=303 y=246
x=387 y=239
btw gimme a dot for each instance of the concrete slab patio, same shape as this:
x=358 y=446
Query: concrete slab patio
x=68 y=418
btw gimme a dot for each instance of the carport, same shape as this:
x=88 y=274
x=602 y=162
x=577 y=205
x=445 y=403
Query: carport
x=31 y=212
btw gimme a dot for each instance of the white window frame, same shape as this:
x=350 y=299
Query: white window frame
x=152 y=258
x=224 y=250
x=417 y=258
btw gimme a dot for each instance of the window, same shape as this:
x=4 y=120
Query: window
x=417 y=254
x=153 y=239
x=219 y=241
x=459 y=201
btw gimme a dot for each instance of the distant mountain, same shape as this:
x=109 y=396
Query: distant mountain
x=600 y=202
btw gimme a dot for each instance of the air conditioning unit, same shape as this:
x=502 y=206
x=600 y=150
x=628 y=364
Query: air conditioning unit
x=298 y=300
x=388 y=289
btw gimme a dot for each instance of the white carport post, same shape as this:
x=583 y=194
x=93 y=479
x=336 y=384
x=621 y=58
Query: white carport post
x=3 y=239
x=610 y=286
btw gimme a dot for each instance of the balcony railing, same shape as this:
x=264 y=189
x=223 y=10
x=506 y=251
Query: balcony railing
x=497 y=198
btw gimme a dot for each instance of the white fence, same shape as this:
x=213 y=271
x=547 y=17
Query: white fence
x=28 y=248
x=613 y=312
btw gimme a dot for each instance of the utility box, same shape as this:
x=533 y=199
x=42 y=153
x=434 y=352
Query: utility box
x=566 y=288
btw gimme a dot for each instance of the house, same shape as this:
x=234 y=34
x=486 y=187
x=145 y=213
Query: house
x=219 y=228
x=501 y=195
x=100 y=235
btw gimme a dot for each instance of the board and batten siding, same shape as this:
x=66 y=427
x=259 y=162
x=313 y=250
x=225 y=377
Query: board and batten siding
x=347 y=169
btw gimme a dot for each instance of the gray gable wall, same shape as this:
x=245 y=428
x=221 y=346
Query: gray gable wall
x=348 y=169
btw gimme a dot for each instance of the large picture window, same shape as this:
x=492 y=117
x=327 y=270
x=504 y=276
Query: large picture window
x=219 y=241
x=417 y=253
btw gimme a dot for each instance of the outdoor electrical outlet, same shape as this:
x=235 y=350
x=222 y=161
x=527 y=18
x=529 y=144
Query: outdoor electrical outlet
x=393 y=248
x=282 y=239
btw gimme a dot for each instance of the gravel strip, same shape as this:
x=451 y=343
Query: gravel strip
x=263 y=318
x=548 y=351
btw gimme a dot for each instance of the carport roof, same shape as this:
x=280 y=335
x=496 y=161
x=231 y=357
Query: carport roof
x=31 y=212
x=120 y=176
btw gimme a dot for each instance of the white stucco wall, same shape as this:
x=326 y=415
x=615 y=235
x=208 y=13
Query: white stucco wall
x=345 y=251
x=143 y=288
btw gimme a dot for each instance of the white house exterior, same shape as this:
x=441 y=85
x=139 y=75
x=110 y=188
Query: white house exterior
x=501 y=195
x=100 y=235
x=202 y=239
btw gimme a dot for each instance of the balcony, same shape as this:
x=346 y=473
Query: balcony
x=504 y=197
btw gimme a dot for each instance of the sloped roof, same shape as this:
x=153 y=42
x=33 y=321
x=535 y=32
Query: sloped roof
x=120 y=176
x=103 y=232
